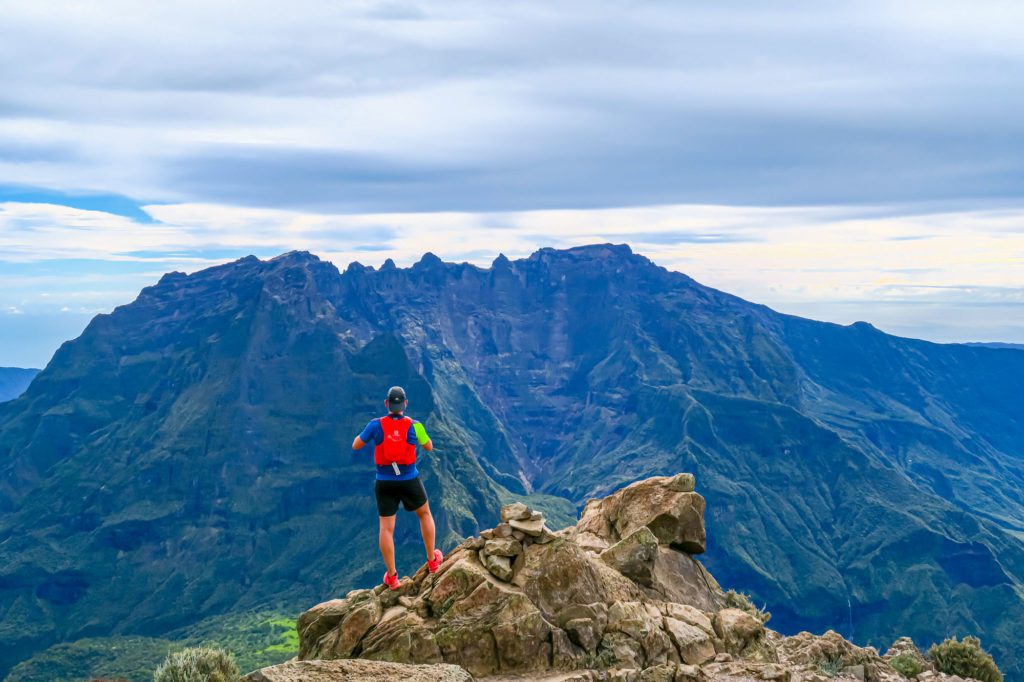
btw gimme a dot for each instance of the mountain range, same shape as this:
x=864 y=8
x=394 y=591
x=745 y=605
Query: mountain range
x=189 y=454
x=14 y=381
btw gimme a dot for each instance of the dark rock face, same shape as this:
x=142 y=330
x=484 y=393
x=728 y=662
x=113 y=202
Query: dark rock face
x=188 y=454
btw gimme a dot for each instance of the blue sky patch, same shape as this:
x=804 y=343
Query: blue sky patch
x=114 y=204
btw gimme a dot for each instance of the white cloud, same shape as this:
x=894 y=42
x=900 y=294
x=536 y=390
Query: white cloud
x=768 y=254
x=468 y=106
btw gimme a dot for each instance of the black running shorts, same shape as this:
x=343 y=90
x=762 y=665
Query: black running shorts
x=410 y=493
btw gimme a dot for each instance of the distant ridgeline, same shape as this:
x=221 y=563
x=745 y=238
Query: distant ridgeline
x=14 y=381
x=189 y=454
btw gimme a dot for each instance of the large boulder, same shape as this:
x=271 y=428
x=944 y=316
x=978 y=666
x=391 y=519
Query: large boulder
x=666 y=505
x=634 y=556
x=738 y=629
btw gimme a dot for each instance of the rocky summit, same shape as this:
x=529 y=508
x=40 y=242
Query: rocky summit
x=619 y=596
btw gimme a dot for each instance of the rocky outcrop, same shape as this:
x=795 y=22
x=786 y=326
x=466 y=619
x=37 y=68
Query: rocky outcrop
x=618 y=596
x=356 y=669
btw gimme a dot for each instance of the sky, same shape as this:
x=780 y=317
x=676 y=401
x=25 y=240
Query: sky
x=845 y=161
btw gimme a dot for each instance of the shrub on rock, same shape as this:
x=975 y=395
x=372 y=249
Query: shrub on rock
x=741 y=600
x=198 y=664
x=906 y=665
x=965 y=658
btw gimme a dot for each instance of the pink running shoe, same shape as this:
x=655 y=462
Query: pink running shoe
x=432 y=566
x=391 y=581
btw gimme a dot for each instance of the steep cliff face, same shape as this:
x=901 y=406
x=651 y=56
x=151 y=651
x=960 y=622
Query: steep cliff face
x=618 y=596
x=189 y=453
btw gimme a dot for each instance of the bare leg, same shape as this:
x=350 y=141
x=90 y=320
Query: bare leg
x=427 y=529
x=387 y=542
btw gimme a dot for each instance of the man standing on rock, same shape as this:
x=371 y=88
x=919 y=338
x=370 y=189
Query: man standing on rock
x=395 y=437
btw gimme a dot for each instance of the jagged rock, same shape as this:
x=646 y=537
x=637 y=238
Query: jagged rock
x=585 y=633
x=659 y=673
x=738 y=629
x=317 y=622
x=676 y=518
x=855 y=671
x=622 y=650
x=590 y=542
x=694 y=645
x=904 y=646
x=456 y=583
x=517 y=511
x=775 y=672
x=356 y=670
x=533 y=527
x=689 y=614
x=611 y=595
x=560 y=574
x=683 y=483
x=566 y=654
x=807 y=649
x=634 y=556
x=402 y=638
x=688 y=673
x=545 y=536
x=509 y=547
x=499 y=566
x=523 y=643
x=474 y=543
x=680 y=578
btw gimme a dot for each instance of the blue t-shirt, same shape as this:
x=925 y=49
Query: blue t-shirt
x=374 y=433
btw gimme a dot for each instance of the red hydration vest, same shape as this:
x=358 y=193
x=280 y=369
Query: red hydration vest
x=396 y=446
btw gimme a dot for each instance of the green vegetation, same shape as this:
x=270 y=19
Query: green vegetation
x=907 y=665
x=198 y=664
x=254 y=639
x=830 y=666
x=741 y=600
x=128 y=658
x=965 y=658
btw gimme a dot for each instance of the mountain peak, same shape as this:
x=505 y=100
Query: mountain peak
x=429 y=260
x=297 y=257
x=592 y=251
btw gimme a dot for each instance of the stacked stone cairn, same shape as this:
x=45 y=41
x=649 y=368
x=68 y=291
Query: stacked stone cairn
x=502 y=549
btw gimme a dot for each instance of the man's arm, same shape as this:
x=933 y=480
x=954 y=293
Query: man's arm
x=366 y=436
x=422 y=438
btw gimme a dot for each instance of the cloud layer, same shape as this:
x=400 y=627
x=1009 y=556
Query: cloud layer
x=862 y=160
x=377 y=107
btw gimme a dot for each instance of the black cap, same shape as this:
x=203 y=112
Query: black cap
x=396 y=399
